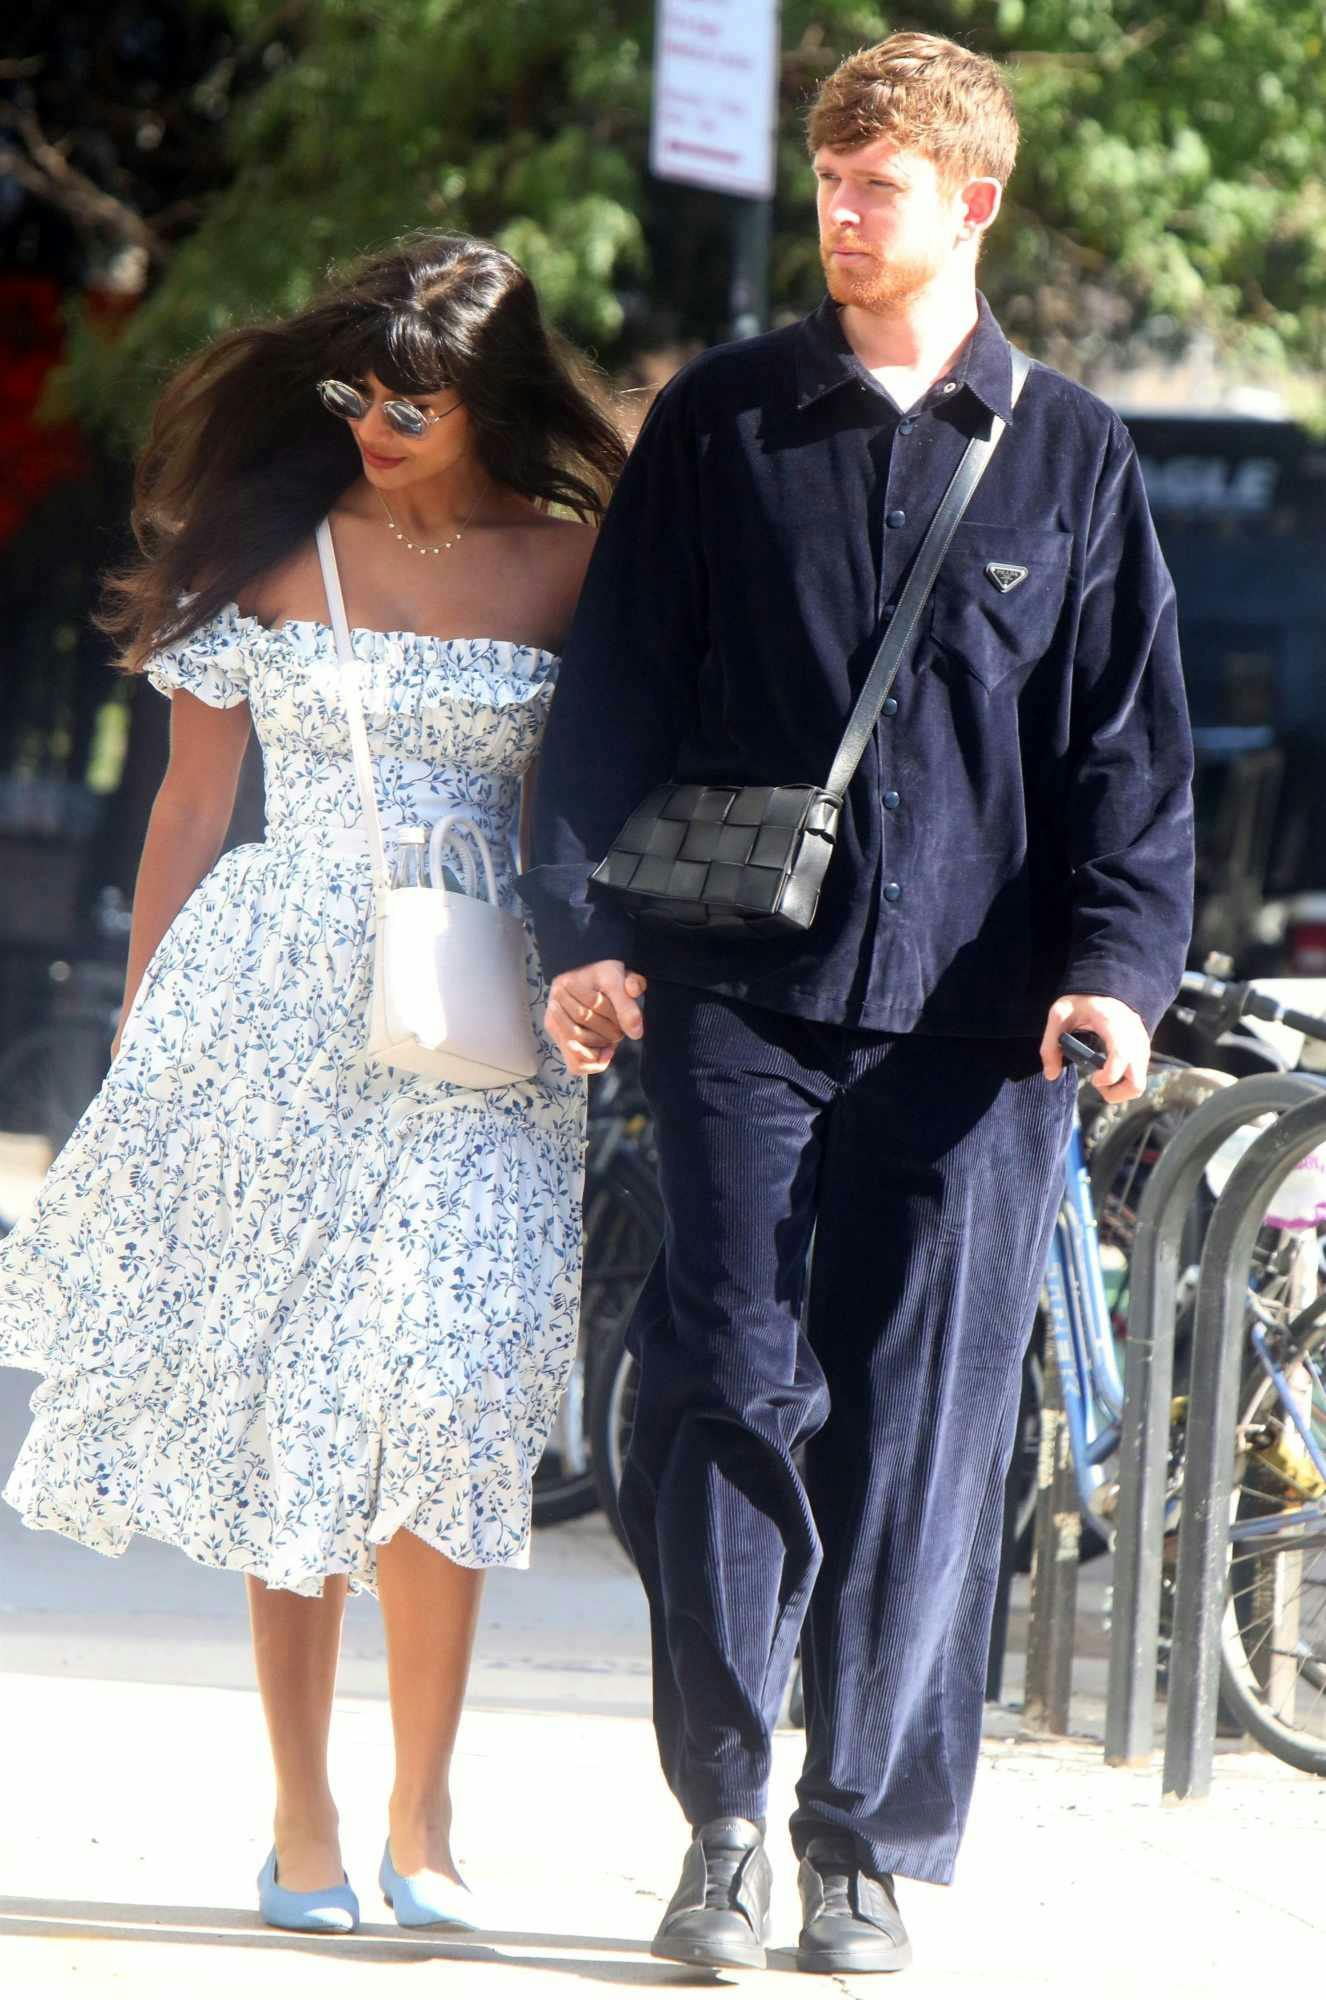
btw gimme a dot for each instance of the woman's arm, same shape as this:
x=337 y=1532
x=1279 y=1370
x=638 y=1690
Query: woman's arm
x=188 y=823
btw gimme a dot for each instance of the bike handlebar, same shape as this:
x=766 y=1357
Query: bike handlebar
x=1231 y=1001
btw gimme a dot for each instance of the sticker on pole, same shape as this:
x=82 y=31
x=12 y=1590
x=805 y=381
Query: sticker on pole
x=715 y=94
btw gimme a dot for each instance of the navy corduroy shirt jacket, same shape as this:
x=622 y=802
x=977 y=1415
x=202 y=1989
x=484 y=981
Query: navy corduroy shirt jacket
x=1021 y=825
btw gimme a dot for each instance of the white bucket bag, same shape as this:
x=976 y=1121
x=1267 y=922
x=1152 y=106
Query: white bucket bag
x=450 y=998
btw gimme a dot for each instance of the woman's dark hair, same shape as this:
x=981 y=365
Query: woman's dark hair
x=242 y=461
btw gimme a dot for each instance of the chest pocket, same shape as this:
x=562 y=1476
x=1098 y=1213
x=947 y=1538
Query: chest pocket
x=998 y=598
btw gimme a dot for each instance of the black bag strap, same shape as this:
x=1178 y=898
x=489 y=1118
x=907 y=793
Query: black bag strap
x=925 y=569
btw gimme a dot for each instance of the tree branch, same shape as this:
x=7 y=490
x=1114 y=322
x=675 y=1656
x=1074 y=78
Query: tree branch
x=44 y=170
x=1128 y=45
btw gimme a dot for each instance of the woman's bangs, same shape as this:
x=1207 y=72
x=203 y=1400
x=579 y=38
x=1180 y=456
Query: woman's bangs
x=403 y=349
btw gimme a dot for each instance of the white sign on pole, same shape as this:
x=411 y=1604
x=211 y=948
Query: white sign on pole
x=715 y=94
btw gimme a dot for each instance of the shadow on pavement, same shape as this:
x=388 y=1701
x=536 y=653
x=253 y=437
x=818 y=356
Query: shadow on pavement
x=135 y=1923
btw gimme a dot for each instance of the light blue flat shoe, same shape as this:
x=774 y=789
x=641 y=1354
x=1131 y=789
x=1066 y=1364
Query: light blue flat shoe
x=427 y=1898
x=305 y=1909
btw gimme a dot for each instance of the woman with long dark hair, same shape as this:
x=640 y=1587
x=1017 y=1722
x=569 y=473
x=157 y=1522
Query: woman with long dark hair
x=300 y=1314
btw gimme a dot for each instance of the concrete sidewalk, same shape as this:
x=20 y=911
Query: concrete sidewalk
x=135 y=1801
x=135 y=1820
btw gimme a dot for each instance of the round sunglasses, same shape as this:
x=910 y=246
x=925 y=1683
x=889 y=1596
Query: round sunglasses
x=344 y=400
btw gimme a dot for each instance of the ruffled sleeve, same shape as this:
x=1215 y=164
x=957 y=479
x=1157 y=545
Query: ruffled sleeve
x=211 y=663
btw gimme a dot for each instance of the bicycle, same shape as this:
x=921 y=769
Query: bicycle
x=623 y=1226
x=1274 y=1632
x=1273 y=1637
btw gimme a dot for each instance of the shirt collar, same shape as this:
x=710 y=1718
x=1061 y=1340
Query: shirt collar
x=825 y=360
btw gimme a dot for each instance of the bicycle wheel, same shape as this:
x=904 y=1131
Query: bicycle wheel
x=612 y=1391
x=622 y=1232
x=1273 y=1637
x=1123 y=1145
x=564 y=1483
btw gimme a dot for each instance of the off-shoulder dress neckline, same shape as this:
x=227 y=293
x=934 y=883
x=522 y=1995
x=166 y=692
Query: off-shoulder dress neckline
x=375 y=632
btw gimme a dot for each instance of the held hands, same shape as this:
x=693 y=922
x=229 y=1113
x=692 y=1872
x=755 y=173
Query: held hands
x=1127 y=1044
x=590 y=1009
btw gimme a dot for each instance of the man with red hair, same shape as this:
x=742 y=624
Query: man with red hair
x=1013 y=859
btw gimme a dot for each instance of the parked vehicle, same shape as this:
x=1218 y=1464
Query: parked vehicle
x=1238 y=503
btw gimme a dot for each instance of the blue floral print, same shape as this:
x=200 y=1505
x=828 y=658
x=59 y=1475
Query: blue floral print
x=286 y=1301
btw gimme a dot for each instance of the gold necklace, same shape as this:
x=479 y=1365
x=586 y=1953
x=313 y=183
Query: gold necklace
x=424 y=548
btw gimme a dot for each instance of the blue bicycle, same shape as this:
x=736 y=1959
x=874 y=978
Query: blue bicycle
x=1273 y=1678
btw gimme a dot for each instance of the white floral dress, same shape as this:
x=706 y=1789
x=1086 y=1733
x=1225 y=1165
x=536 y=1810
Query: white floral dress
x=286 y=1301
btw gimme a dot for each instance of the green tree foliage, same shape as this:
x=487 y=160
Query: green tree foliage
x=1170 y=179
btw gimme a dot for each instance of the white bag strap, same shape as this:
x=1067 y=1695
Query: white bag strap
x=354 y=709
x=441 y=830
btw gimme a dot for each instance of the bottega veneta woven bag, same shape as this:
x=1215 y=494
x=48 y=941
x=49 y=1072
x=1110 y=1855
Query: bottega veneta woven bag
x=753 y=857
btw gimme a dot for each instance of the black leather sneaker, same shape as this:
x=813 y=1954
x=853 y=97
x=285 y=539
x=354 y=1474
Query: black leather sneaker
x=720 y=1913
x=849 y=1919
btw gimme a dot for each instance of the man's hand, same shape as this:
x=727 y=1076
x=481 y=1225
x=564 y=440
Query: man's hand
x=590 y=1009
x=1127 y=1044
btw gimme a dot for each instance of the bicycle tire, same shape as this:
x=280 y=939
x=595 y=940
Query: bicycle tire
x=1247 y=1662
x=558 y=1495
x=617 y=1255
x=1121 y=1130
x=1025 y=1465
x=612 y=1383
x=623 y=1229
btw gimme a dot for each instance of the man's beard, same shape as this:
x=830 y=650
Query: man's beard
x=878 y=285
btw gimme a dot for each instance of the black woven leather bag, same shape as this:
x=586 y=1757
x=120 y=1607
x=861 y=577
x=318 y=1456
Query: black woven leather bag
x=754 y=857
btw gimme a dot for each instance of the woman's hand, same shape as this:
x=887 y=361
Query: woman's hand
x=589 y=1011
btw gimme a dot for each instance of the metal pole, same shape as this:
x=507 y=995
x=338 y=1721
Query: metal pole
x=748 y=300
x=1219 y=1359
x=1053 y=1566
x=1148 y=1388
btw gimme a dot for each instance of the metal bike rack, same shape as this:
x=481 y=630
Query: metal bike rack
x=1148 y=1389
x=1217 y=1375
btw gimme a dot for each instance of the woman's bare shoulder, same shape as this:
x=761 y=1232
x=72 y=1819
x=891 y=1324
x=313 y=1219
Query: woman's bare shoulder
x=553 y=530
x=564 y=545
x=283 y=591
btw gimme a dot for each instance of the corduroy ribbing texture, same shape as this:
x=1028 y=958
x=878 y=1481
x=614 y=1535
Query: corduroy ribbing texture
x=833 y=1465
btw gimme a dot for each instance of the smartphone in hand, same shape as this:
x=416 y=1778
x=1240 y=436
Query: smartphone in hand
x=1088 y=1056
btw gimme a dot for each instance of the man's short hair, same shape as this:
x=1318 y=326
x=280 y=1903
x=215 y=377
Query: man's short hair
x=927 y=95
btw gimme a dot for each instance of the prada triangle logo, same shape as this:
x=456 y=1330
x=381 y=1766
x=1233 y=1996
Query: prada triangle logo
x=1006 y=576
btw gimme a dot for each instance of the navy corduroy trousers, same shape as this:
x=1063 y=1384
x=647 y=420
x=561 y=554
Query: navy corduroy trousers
x=833 y=1466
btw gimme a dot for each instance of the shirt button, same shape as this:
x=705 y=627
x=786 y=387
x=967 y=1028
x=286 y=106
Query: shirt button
x=892 y=892
x=896 y=519
x=907 y=428
x=892 y=801
x=949 y=387
x=891 y=705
